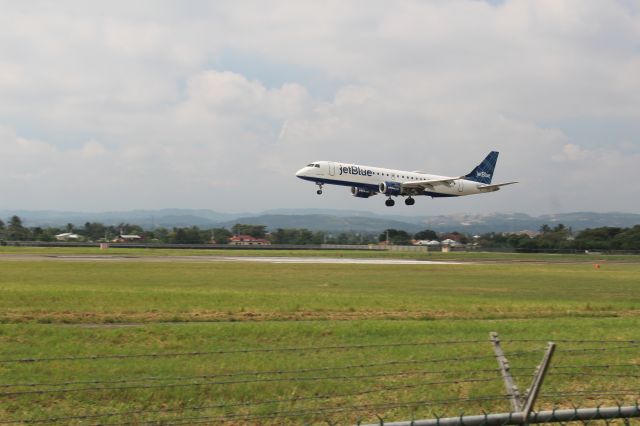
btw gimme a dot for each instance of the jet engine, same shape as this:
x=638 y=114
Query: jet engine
x=390 y=188
x=361 y=193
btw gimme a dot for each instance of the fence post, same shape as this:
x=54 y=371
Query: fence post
x=509 y=384
x=534 y=390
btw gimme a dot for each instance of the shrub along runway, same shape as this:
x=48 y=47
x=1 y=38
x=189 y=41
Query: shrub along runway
x=231 y=308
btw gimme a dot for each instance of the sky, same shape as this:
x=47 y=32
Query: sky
x=125 y=105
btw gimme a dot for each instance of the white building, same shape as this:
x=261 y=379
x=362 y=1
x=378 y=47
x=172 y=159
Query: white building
x=450 y=242
x=127 y=238
x=67 y=236
x=429 y=243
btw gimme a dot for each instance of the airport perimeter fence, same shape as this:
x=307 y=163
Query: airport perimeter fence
x=328 y=247
x=197 y=246
x=429 y=383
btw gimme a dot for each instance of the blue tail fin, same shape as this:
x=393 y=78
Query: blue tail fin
x=484 y=171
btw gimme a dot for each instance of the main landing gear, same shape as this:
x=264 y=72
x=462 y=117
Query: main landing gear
x=408 y=201
x=319 y=191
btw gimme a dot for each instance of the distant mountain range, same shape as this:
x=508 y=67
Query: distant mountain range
x=329 y=220
x=146 y=218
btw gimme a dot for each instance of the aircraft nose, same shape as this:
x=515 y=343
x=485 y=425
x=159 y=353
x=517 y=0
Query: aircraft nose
x=300 y=172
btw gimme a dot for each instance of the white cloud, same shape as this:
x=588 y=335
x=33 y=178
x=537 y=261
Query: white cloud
x=571 y=152
x=93 y=149
x=130 y=98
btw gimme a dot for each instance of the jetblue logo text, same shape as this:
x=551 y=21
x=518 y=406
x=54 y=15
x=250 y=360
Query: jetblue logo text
x=354 y=170
x=483 y=175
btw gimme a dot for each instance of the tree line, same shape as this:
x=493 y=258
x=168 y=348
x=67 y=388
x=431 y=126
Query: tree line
x=558 y=237
x=561 y=237
x=15 y=230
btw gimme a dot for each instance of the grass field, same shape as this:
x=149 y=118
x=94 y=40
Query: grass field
x=361 y=338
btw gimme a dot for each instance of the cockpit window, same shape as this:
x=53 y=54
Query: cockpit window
x=317 y=165
x=311 y=165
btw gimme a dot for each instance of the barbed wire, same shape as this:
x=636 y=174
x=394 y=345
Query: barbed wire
x=585 y=366
x=313 y=370
x=306 y=411
x=597 y=392
x=636 y=341
x=631 y=376
x=581 y=374
x=628 y=344
x=588 y=350
x=229 y=382
x=239 y=351
x=248 y=373
x=428 y=360
x=238 y=404
x=302 y=413
x=631 y=344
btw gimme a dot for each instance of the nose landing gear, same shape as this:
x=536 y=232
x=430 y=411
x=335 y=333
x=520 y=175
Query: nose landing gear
x=319 y=191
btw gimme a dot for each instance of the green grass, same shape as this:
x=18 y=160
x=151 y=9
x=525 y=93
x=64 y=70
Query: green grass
x=95 y=292
x=59 y=309
x=41 y=340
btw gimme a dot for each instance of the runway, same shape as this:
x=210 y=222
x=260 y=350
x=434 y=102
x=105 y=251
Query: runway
x=338 y=260
x=212 y=259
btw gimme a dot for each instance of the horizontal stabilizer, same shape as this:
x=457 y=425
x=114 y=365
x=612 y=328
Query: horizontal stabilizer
x=495 y=187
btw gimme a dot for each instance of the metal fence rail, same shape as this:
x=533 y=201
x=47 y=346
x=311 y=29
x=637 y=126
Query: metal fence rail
x=324 y=247
x=327 y=247
x=551 y=416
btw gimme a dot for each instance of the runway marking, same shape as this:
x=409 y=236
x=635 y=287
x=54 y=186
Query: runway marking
x=339 y=260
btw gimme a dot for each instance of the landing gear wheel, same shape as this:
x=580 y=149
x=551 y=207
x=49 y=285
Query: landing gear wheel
x=319 y=192
x=409 y=201
x=389 y=203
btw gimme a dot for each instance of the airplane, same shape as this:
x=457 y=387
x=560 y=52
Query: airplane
x=367 y=181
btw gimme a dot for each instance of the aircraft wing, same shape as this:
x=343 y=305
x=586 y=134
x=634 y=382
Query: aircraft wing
x=494 y=187
x=430 y=183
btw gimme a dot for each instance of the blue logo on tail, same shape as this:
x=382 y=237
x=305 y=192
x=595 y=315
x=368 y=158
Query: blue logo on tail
x=484 y=171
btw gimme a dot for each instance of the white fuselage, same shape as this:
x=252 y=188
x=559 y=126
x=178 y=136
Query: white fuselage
x=370 y=178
